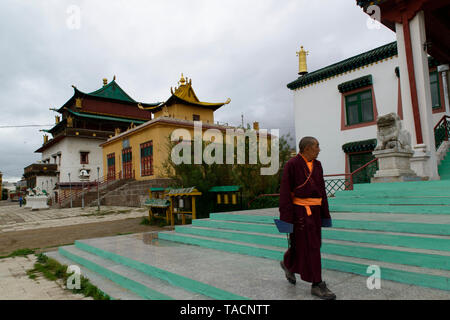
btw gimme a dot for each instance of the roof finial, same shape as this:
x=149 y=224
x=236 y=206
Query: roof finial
x=182 y=81
x=114 y=78
x=105 y=81
x=302 y=69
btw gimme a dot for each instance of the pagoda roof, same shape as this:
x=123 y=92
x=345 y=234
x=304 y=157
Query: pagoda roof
x=102 y=117
x=186 y=94
x=110 y=91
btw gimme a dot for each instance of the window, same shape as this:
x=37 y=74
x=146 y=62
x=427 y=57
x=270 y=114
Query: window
x=434 y=87
x=195 y=117
x=147 y=158
x=359 y=107
x=84 y=157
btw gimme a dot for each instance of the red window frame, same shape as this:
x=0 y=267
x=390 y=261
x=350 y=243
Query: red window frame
x=111 y=166
x=147 y=158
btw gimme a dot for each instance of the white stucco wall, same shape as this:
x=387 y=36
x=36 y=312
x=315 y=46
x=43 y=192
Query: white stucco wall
x=317 y=111
x=70 y=148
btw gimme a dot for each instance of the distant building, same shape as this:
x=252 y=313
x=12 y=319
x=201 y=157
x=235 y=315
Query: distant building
x=85 y=121
x=140 y=152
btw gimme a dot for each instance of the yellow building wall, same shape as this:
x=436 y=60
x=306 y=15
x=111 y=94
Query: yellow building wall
x=186 y=112
x=159 y=134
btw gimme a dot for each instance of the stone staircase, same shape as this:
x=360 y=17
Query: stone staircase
x=90 y=196
x=404 y=228
x=131 y=194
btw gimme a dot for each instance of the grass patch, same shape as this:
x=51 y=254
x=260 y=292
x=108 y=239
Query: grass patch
x=123 y=234
x=19 y=253
x=53 y=270
x=160 y=222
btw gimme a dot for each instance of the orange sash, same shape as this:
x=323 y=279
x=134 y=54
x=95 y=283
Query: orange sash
x=306 y=202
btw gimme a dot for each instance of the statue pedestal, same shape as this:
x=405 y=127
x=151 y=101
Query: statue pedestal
x=39 y=202
x=394 y=166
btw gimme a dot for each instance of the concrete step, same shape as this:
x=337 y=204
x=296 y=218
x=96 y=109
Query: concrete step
x=253 y=277
x=368 y=248
x=437 y=278
x=111 y=271
x=387 y=226
x=390 y=201
x=157 y=286
x=402 y=186
x=375 y=237
x=381 y=208
x=112 y=289
x=187 y=288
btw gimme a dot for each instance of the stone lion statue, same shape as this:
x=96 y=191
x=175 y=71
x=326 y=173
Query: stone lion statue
x=390 y=134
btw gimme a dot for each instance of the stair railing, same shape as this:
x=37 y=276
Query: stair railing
x=442 y=131
x=102 y=183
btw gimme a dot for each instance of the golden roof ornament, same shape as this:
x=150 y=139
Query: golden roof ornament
x=302 y=68
x=182 y=80
x=105 y=81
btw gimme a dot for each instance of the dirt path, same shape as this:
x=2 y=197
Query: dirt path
x=46 y=238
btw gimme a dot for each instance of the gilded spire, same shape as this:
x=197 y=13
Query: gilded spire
x=302 y=68
x=182 y=80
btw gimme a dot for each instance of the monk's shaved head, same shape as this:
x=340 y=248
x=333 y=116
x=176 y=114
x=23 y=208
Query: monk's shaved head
x=306 y=142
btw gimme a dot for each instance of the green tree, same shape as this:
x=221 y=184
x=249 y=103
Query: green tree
x=204 y=176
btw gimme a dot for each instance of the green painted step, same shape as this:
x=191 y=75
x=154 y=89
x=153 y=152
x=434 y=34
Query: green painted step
x=426 y=209
x=394 y=193
x=373 y=238
x=388 y=226
x=432 y=261
x=172 y=278
x=425 y=280
x=242 y=217
x=391 y=200
x=400 y=186
x=126 y=283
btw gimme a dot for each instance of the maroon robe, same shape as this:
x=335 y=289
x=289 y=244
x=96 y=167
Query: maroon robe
x=303 y=255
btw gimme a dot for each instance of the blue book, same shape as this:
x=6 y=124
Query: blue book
x=284 y=227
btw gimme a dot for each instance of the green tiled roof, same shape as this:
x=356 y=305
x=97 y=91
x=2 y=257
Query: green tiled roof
x=225 y=189
x=364 y=145
x=374 y=55
x=363 y=59
x=112 y=91
x=355 y=84
x=94 y=116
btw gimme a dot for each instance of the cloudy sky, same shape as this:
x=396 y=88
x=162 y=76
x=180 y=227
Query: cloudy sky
x=243 y=50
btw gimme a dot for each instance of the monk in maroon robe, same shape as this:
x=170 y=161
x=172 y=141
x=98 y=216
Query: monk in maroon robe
x=303 y=202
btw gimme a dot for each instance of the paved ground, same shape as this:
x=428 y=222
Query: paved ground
x=15 y=218
x=44 y=229
x=15 y=284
